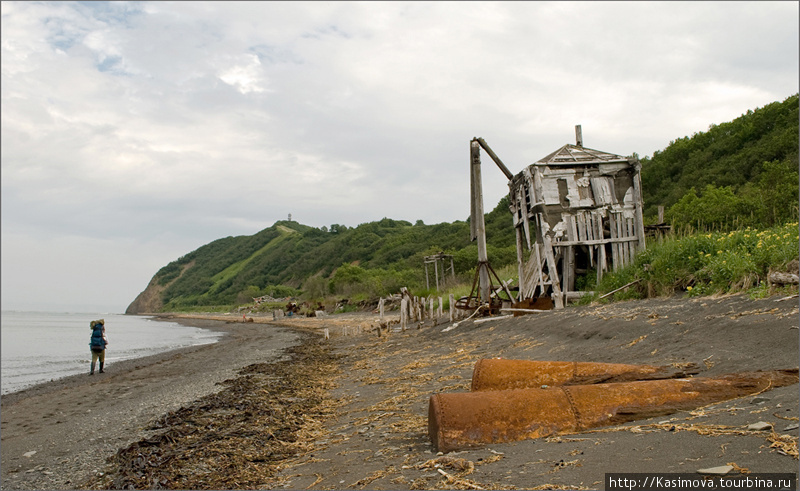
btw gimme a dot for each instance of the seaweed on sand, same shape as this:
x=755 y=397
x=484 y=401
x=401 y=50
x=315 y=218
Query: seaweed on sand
x=239 y=437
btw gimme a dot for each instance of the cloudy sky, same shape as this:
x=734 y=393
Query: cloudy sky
x=135 y=132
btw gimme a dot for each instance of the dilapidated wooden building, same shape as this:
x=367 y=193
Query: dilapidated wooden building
x=575 y=211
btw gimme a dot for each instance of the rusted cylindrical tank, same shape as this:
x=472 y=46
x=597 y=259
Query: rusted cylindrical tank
x=461 y=420
x=501 y=374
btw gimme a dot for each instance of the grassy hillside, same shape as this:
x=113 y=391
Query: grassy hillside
x=287 y=257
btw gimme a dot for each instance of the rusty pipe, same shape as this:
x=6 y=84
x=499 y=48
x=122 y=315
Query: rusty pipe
x=501 y=374
x=463 y=420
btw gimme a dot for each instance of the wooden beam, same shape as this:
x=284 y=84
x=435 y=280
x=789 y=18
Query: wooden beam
x=496 y=159
x=564 y=243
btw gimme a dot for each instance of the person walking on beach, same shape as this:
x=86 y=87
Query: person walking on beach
x=98 y=343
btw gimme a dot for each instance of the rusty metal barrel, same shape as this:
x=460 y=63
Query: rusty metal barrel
x=502 y=374
x=463 y=420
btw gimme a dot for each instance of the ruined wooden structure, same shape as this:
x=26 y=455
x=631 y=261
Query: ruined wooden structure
x=440 y=262
x=575 y=210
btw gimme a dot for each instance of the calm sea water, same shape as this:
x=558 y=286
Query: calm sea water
x=41 y=346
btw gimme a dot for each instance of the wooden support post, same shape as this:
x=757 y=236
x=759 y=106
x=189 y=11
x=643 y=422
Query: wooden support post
x=440 y=310
x=569 y=270
x=452 y=307
x=436 y=271
x=403 y=313
x=638 y=203
x=427 y=281
x=477 y=220
x=380 y=310
x=523 y=280
x=612 y=227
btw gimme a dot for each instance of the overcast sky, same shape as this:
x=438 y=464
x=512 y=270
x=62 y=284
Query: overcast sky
x=135 y=132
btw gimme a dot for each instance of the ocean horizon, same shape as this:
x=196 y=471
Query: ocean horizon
x=38 y=347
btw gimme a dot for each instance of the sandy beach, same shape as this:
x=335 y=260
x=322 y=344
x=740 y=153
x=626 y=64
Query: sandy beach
x=278 y=406
x=57 y=435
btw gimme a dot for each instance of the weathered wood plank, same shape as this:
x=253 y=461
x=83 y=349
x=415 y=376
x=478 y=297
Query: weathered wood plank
x=612 y=221
x=526 y=226
x=569 y=269
x=552 y=272
x=520 y=261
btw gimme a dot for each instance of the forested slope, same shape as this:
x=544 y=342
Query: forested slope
x=743 y=171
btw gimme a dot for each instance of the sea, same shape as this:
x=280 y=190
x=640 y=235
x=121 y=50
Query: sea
x=37 y=347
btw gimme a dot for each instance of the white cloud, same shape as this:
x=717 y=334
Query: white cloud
x=245 y=76
x=131 y=122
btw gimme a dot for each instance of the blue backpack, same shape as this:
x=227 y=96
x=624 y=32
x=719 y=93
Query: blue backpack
x=97 y=341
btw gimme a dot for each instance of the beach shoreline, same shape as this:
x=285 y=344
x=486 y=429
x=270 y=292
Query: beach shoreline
x=71 y=381
x=374 y=434
x=42 y=424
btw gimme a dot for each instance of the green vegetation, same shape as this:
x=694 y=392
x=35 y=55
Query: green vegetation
x=737 y=174
x=707 y=263
x=728 y=193
x=360 y=263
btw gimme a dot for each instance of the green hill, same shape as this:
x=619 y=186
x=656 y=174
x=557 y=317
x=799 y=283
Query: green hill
x=740 y=173
x=289 y=256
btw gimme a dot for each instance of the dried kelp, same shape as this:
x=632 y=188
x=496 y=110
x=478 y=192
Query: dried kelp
x=240 y=437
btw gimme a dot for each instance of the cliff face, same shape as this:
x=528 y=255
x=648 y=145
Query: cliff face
x=149 y=301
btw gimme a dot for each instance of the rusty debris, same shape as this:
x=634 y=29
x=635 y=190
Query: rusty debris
x=502 y=374
x=462 y=420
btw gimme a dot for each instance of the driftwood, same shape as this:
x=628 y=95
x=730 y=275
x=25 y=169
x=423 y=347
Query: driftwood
x=783 y=278
x=523 y=311
x=620 y=288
